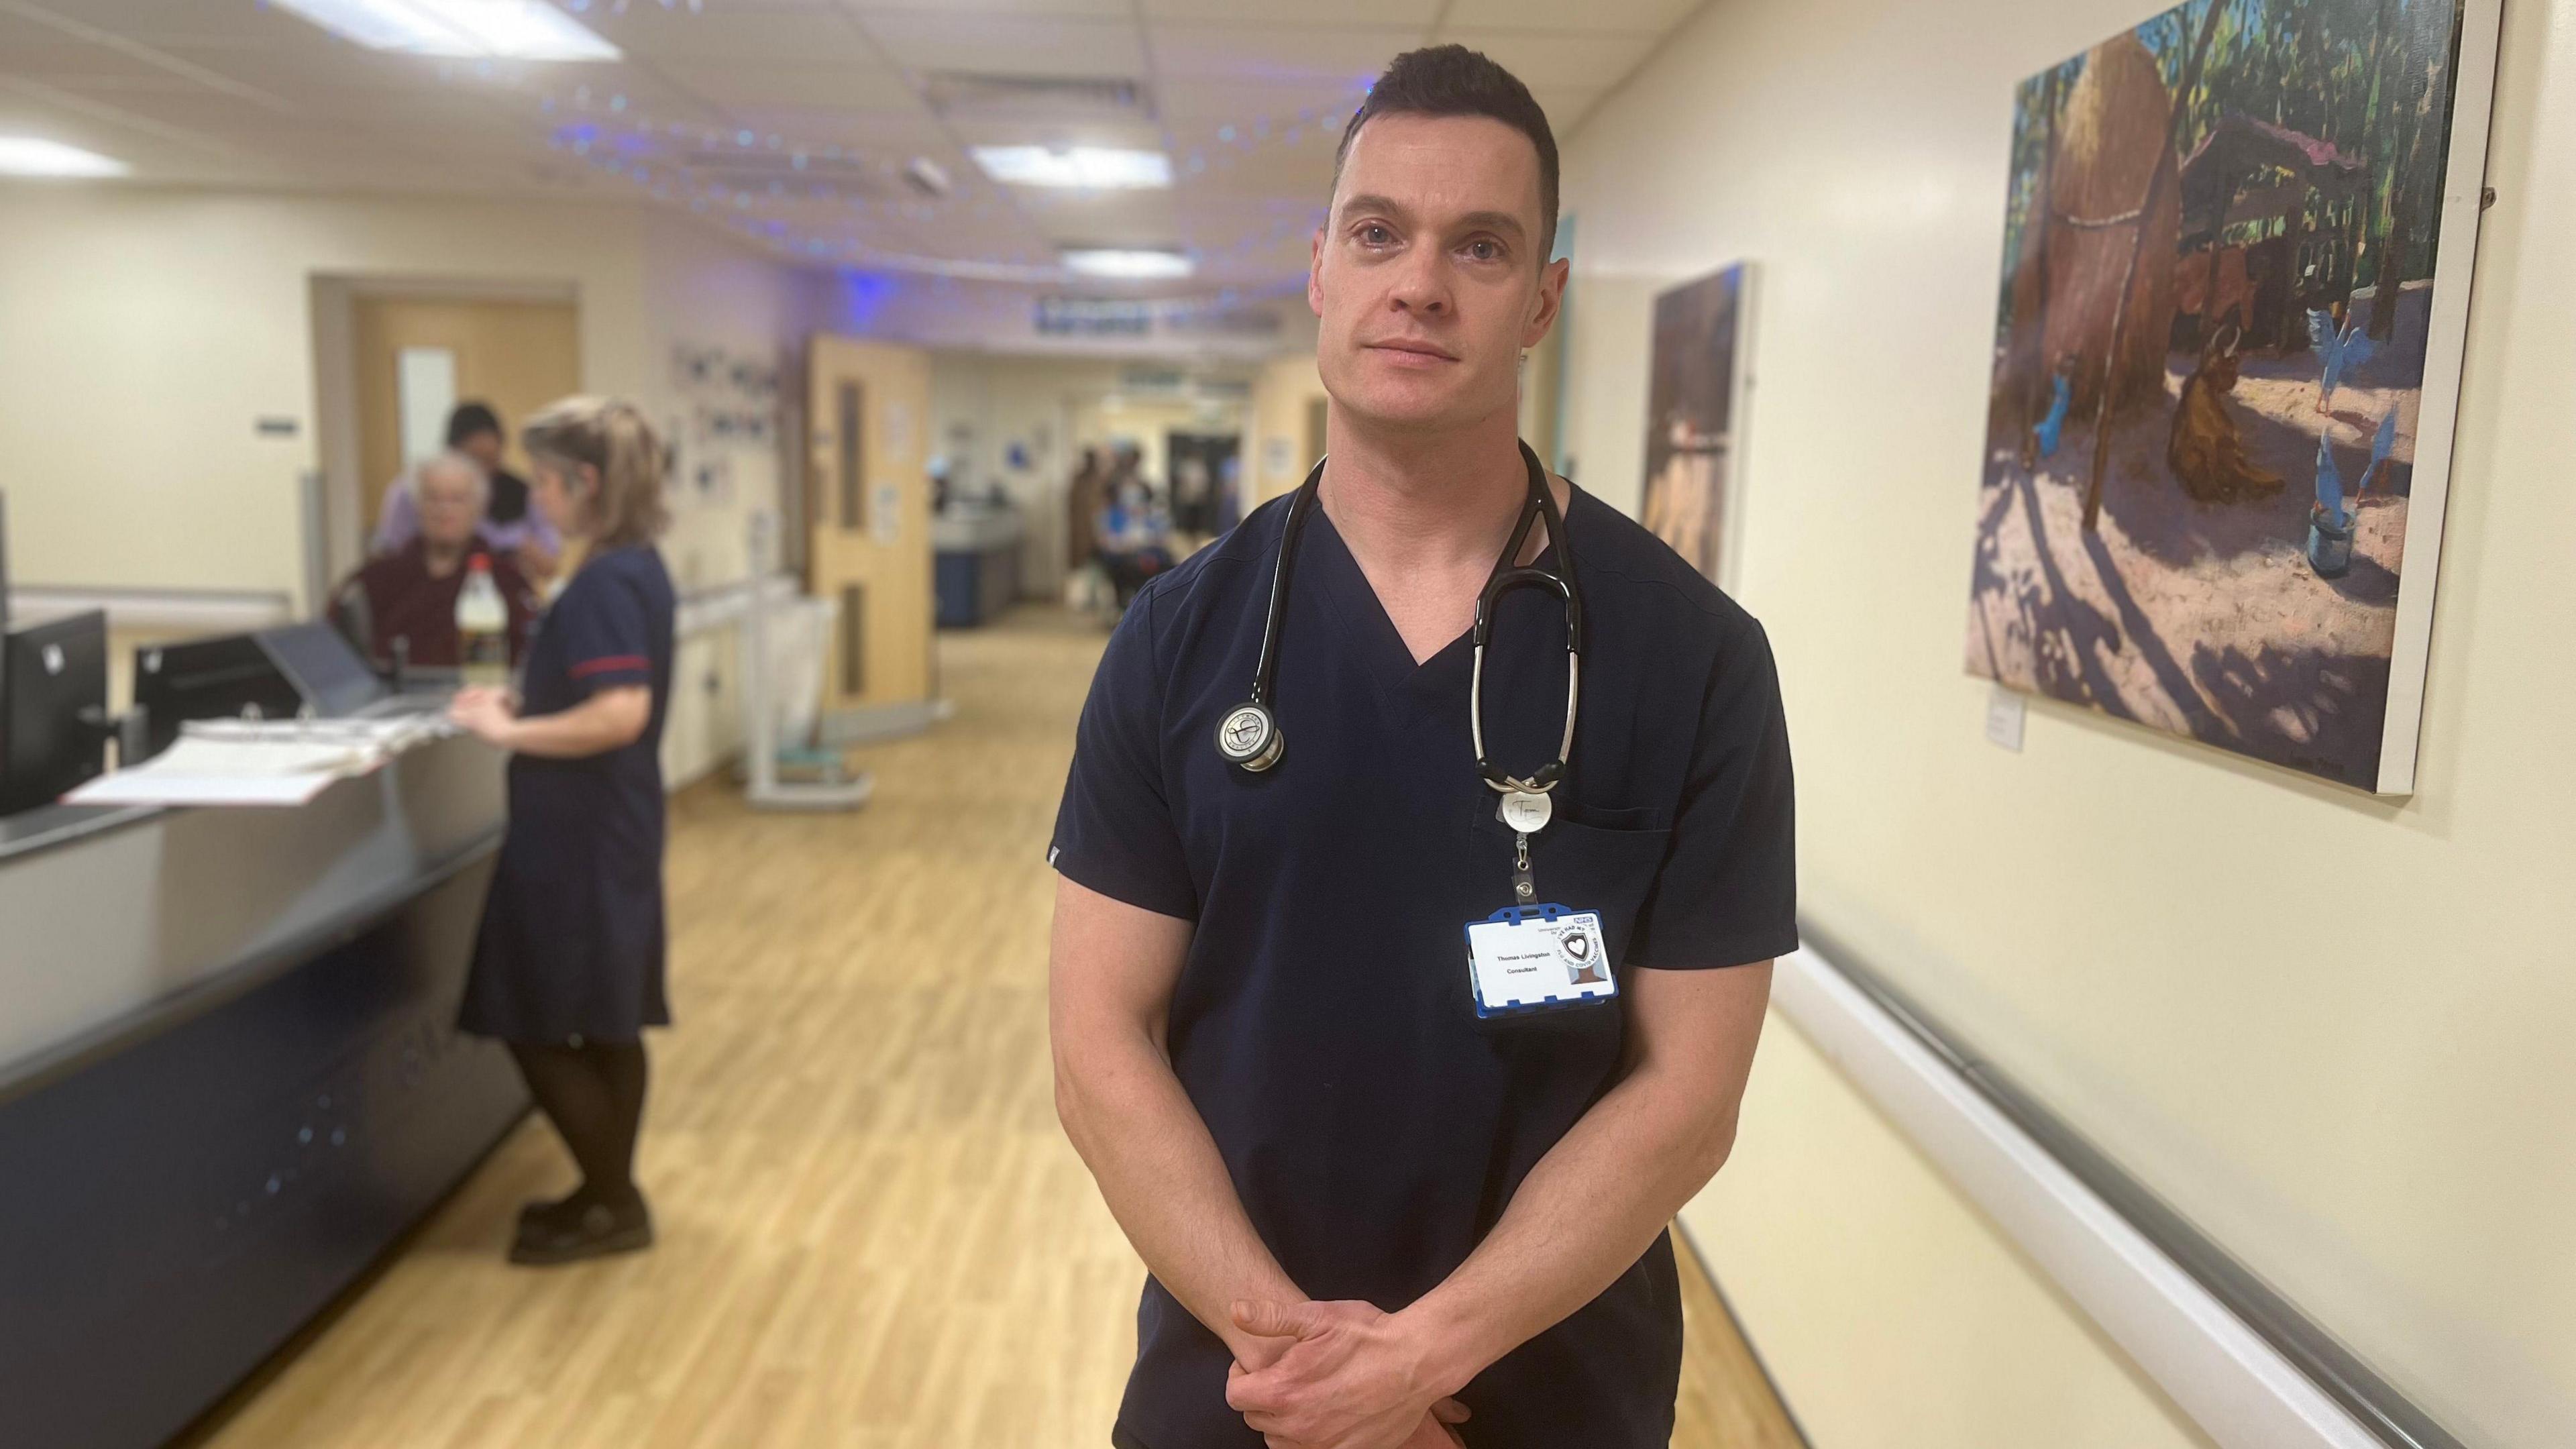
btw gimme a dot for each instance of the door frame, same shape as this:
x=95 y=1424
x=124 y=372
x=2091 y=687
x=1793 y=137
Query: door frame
x=334 y=307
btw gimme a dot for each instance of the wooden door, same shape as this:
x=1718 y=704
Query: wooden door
x=515 y=356
x=868 y=543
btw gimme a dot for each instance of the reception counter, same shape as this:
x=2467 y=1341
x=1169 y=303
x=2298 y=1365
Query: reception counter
x=229 y=1079
x=976 y=563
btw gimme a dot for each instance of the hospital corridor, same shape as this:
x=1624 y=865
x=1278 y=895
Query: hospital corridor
x=1286 y=724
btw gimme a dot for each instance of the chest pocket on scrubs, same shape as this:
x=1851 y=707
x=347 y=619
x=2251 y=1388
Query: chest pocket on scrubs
x=1578 y=866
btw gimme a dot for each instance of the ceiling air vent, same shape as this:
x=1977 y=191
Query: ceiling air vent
x=967 y=95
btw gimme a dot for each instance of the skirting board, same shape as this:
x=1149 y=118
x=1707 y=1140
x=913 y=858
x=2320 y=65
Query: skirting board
x=2239 y=1389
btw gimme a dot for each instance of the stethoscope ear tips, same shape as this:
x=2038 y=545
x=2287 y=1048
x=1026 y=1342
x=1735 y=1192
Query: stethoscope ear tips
x=1249 y=737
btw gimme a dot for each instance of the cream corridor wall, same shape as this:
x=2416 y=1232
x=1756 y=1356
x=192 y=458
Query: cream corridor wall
x=144 y=331
x=1283 y=396
x=2326 y=1027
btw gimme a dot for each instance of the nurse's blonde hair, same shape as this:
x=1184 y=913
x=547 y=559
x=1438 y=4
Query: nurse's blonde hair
x=613 y=436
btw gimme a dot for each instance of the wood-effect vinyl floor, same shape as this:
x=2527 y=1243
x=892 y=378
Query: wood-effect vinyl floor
x=873 y=1234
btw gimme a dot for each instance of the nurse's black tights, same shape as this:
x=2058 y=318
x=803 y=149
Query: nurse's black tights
x=594 y=1094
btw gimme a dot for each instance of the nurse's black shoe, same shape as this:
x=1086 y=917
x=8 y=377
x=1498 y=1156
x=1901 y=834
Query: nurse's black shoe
x=564 y=1210
x=600 y=1230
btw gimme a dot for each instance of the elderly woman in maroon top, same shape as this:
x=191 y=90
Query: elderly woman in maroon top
x=410 y=594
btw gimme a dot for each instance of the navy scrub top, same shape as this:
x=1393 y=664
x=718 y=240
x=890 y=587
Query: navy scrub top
x=572 y=941
x=1322 y=1025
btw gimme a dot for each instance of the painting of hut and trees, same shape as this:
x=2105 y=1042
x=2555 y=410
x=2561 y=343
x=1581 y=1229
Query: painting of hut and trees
x=1693 y=418
x=2214 y=455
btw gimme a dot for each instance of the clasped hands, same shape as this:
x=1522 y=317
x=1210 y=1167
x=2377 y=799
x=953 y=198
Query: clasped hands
x=1339 y=1376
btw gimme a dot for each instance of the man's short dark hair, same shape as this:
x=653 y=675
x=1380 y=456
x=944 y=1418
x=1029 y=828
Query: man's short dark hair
x=470 y=420
x=1451 y=80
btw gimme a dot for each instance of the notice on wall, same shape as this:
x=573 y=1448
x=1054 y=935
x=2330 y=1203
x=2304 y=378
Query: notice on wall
x=898 y=432
x=424 y=394
x=885 y=514
x=2005 y=712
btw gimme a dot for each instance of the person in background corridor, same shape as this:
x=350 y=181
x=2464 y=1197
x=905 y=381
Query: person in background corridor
x=510 y=526
x=568 y=968
x=1083 y=500
x=409 y=595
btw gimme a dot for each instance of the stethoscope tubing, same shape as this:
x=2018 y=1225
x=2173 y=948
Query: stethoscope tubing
x=1541 y=504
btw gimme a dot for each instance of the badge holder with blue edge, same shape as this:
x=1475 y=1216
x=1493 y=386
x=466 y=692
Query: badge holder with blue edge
x=1530 y=957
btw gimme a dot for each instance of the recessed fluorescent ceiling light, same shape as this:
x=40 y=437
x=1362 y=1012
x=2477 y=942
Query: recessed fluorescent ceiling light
x=1094 y=167
x=1125 y=262
x=475 y=29
x=33 y=156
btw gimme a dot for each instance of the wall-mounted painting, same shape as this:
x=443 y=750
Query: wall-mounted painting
x=2227 y=360
x=1695 y=419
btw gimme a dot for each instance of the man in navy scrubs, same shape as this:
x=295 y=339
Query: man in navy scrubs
x=1375 y=1216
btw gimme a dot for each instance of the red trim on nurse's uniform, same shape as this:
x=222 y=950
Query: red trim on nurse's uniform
x=608 y=663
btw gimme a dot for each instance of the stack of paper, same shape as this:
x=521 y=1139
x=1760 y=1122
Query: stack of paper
x=260 y=762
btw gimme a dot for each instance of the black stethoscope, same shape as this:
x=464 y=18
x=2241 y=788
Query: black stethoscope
x=1249 y=735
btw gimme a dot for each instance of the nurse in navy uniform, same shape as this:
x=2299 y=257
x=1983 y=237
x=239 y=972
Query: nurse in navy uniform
x=568 y=967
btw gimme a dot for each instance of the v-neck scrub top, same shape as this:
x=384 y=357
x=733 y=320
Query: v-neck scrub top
x=1322 y=1026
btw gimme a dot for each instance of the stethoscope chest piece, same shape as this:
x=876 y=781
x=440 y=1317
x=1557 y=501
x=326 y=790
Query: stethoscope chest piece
x=1249 y=736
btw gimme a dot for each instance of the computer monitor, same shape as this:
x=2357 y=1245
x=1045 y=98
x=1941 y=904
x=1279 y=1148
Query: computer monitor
x=53 y=709
x=273 y=674
x=327 y=673
x=4 y=563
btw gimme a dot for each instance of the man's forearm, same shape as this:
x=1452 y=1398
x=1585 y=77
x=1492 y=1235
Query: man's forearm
x=1583 y=1216
x=1160 y=1172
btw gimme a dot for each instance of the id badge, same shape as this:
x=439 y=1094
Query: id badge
x=1538 y=958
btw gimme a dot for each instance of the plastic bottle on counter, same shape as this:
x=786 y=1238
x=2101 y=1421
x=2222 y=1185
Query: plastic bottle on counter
x=482 y=627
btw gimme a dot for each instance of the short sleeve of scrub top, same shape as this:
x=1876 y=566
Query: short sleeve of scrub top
x=1114 y=832
x=1728 y=891
x=607 y=640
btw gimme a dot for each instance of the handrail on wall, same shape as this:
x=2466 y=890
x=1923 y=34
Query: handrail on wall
x=2239 y=1358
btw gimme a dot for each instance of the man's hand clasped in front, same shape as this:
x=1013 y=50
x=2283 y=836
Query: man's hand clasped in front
x=1349 y=1376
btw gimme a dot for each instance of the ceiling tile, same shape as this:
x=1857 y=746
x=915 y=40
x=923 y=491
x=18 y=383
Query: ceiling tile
x=178 y=103
x=143 y=17
x=1349 y=55
x=78 y=122
x=1092 y=9
x=836 y=87
x=1415 y=13
x=889 y=130
x=49 y=55
x=1313 y=131
x=1005 y=131
x=285 y=69
x=1009 y=46
x=1558 y=60
x=803 y=36
x=1221 y=102
x=1633 y=17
